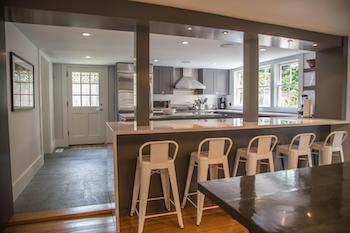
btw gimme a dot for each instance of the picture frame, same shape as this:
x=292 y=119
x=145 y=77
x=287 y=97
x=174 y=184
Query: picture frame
x=22 y=83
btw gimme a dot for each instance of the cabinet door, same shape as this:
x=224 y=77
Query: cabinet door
x=166 y=80
x=156 y=80
x=221 y=82
x=206 y=76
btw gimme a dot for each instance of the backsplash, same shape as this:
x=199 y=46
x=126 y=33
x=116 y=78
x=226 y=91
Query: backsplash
x=187 y=97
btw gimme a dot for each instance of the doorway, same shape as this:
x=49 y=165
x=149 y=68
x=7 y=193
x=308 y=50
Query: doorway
x=87 y=99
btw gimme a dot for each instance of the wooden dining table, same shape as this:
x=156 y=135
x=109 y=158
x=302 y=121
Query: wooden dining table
x=305 y=200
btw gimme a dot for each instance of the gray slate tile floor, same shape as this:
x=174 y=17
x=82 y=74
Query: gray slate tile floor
x=73 y=178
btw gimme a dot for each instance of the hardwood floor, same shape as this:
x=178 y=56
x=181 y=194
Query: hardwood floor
x=214 y=221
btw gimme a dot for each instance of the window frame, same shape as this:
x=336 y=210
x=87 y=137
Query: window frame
x=274 y=65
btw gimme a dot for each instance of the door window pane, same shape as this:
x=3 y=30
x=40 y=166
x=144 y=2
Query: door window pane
x=95 y=102
x=85 y=89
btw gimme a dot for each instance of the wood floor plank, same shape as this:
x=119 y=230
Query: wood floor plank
x=214 y=221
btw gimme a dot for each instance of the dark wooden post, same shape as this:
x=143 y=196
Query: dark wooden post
x=142 y=73
x=250 y=77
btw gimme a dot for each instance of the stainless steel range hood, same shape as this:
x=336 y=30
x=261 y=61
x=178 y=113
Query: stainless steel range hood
x=187 y=81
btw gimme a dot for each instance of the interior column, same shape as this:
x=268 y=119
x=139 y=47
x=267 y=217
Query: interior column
x=142 y=73
x=250 y=77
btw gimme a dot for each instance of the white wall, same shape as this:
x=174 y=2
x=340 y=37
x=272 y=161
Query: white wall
x=47 y=103
x=24 y=126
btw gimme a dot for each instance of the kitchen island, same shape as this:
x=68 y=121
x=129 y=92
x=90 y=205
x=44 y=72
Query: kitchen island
x=205 y=114
x=128 y=137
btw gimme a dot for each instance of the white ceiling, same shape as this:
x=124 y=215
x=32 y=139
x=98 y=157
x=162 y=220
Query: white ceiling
x=67 y=45
x=328 y=16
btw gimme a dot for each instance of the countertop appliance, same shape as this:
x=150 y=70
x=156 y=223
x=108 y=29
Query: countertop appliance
x=307 y=107
x=222 y=103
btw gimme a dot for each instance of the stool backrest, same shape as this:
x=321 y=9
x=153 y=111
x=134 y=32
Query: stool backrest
x=216 y=147
x=158 y=151
x=303 y=141
x=265 y=144
x=336 y=138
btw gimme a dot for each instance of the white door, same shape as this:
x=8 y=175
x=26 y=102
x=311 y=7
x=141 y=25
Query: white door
x=87 y=104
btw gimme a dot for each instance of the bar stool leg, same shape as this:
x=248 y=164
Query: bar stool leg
x=144 y=189
x=226 y=168
x=202 y=176
x=164 y=177
x=293 y=160
x=272 y=167
x=214 y=172
x=341 y=155
x=136 y=189
x=251 y=166
x=174 y=187
x=309 y=158
x=235 y=167
x=326 y=156
x=188 y=181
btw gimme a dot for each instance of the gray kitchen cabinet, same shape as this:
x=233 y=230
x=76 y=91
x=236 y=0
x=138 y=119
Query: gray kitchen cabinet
x=215 y=80
x=163 y=80
x=206 y=76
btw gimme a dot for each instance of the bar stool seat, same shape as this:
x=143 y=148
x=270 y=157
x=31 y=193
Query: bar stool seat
x=254 y=156
x=298 y=149
x=333 y=143
x=158 y=161
x=205 y=160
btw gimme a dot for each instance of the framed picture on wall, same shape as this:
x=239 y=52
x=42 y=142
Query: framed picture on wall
x=22 y=83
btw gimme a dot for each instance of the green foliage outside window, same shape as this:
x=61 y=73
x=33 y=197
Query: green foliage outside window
x=289 y=85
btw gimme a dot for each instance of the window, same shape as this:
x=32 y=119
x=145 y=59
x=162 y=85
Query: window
x=287 y=85
x=265 y=86
x=238 y=88
x=85 y=89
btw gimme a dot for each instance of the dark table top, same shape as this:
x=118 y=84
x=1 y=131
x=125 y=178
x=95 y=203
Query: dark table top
x=310 y=200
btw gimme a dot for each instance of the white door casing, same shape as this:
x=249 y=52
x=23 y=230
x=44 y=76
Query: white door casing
x=87 y=104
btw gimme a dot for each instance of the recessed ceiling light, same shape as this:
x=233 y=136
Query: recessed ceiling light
x=225 y=32
x=186 y=62
x=87 y=57
x=86 y=34
x=155 y=60
x=262 y=50
x=315 y=44
x=185 y=42
x=189 y=28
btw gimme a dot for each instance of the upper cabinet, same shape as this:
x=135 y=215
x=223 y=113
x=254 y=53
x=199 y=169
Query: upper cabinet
x=163 y=80
x=215 y=80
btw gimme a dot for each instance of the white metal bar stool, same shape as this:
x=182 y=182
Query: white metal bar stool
x=252 y=156
x=297 y=149
x=157 y=161
x=333 y=143
x=217 y=153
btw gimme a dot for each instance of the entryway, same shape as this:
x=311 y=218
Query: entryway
x=87 y=104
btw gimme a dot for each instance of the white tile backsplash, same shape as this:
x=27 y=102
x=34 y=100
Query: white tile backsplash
x=187 y=97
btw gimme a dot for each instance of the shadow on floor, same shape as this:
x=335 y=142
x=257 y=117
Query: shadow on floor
x=76 y=177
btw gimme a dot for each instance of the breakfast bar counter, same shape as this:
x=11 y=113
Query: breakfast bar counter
x=127 y=138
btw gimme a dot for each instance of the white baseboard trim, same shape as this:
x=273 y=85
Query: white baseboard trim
x=21 y=182
x=60 y=143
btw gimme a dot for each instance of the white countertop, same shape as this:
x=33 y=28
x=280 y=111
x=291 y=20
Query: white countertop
x=177 y=126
